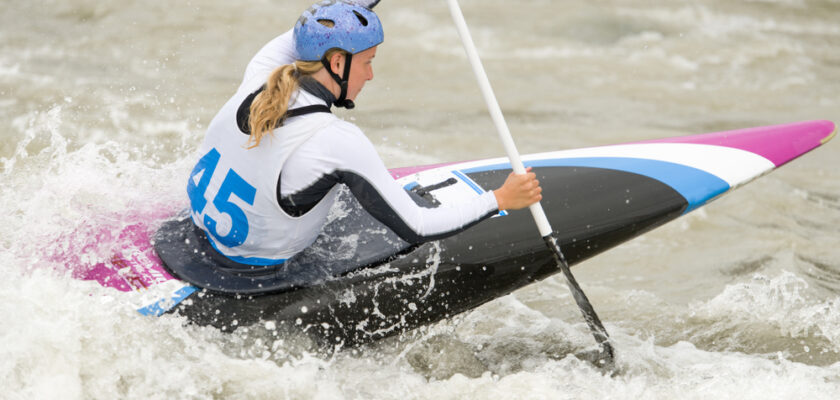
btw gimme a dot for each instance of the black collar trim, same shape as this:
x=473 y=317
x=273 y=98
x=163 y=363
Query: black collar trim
x=243 y=114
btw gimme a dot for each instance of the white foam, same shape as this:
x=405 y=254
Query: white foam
x=85 y=166
x=782 y=301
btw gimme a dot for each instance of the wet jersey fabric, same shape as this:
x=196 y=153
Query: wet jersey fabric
x=260 y=206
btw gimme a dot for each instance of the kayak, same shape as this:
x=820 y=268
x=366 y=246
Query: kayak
x=360 y=282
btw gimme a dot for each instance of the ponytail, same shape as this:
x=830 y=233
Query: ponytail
x=268 y=110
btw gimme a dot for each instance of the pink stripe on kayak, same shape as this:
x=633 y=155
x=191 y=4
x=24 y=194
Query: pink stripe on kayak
x=134 y=266
x=398 y=173
x=779 y=143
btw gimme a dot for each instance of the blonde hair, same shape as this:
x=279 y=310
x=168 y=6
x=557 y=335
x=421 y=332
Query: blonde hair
x=268 y=110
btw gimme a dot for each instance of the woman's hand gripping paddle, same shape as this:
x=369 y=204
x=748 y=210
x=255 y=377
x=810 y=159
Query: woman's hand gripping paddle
x=606 y=356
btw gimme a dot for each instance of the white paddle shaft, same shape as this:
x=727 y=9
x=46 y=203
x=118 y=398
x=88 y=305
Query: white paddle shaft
x=495 y=111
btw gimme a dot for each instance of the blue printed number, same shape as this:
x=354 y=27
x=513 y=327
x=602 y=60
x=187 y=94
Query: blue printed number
x=206 y=167
x=233 y=185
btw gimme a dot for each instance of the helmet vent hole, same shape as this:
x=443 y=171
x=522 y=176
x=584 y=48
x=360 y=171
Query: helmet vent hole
x=362 y=19
x=327 y=22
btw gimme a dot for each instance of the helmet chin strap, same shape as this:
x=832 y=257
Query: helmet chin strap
x=342 y=100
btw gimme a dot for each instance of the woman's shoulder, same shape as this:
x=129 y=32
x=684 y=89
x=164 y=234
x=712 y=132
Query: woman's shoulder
x=347 y=130
x=345 y=138
x=349 y=126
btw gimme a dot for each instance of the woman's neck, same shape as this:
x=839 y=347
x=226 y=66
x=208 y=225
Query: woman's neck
x=313 y=86
x=323 y=77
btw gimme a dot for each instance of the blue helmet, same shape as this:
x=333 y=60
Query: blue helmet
x=336 y=23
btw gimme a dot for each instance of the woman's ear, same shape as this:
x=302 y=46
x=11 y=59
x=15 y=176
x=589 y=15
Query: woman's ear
x=337 y=63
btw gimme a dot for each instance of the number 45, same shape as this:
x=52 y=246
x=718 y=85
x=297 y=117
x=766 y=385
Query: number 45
x=233 y=184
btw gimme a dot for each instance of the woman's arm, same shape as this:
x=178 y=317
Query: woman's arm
x=370 y=182
x=279 y=51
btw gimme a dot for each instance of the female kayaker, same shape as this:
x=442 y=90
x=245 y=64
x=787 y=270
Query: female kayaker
x=274 y=157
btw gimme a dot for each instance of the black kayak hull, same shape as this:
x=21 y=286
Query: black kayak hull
x=436 y=280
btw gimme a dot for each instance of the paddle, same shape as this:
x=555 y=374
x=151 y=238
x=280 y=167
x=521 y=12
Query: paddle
x=606 y=356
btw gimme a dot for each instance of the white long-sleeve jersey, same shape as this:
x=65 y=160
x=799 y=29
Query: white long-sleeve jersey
x=262 y=205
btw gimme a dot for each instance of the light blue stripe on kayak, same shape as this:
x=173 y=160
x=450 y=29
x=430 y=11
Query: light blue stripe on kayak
x=468 y=181
x=474 y=186
x=696 y=185
x=161 y=306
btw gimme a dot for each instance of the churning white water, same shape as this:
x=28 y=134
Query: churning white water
x=103 y=104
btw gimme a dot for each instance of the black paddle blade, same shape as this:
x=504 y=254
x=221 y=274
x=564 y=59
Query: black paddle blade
x=606 y=356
